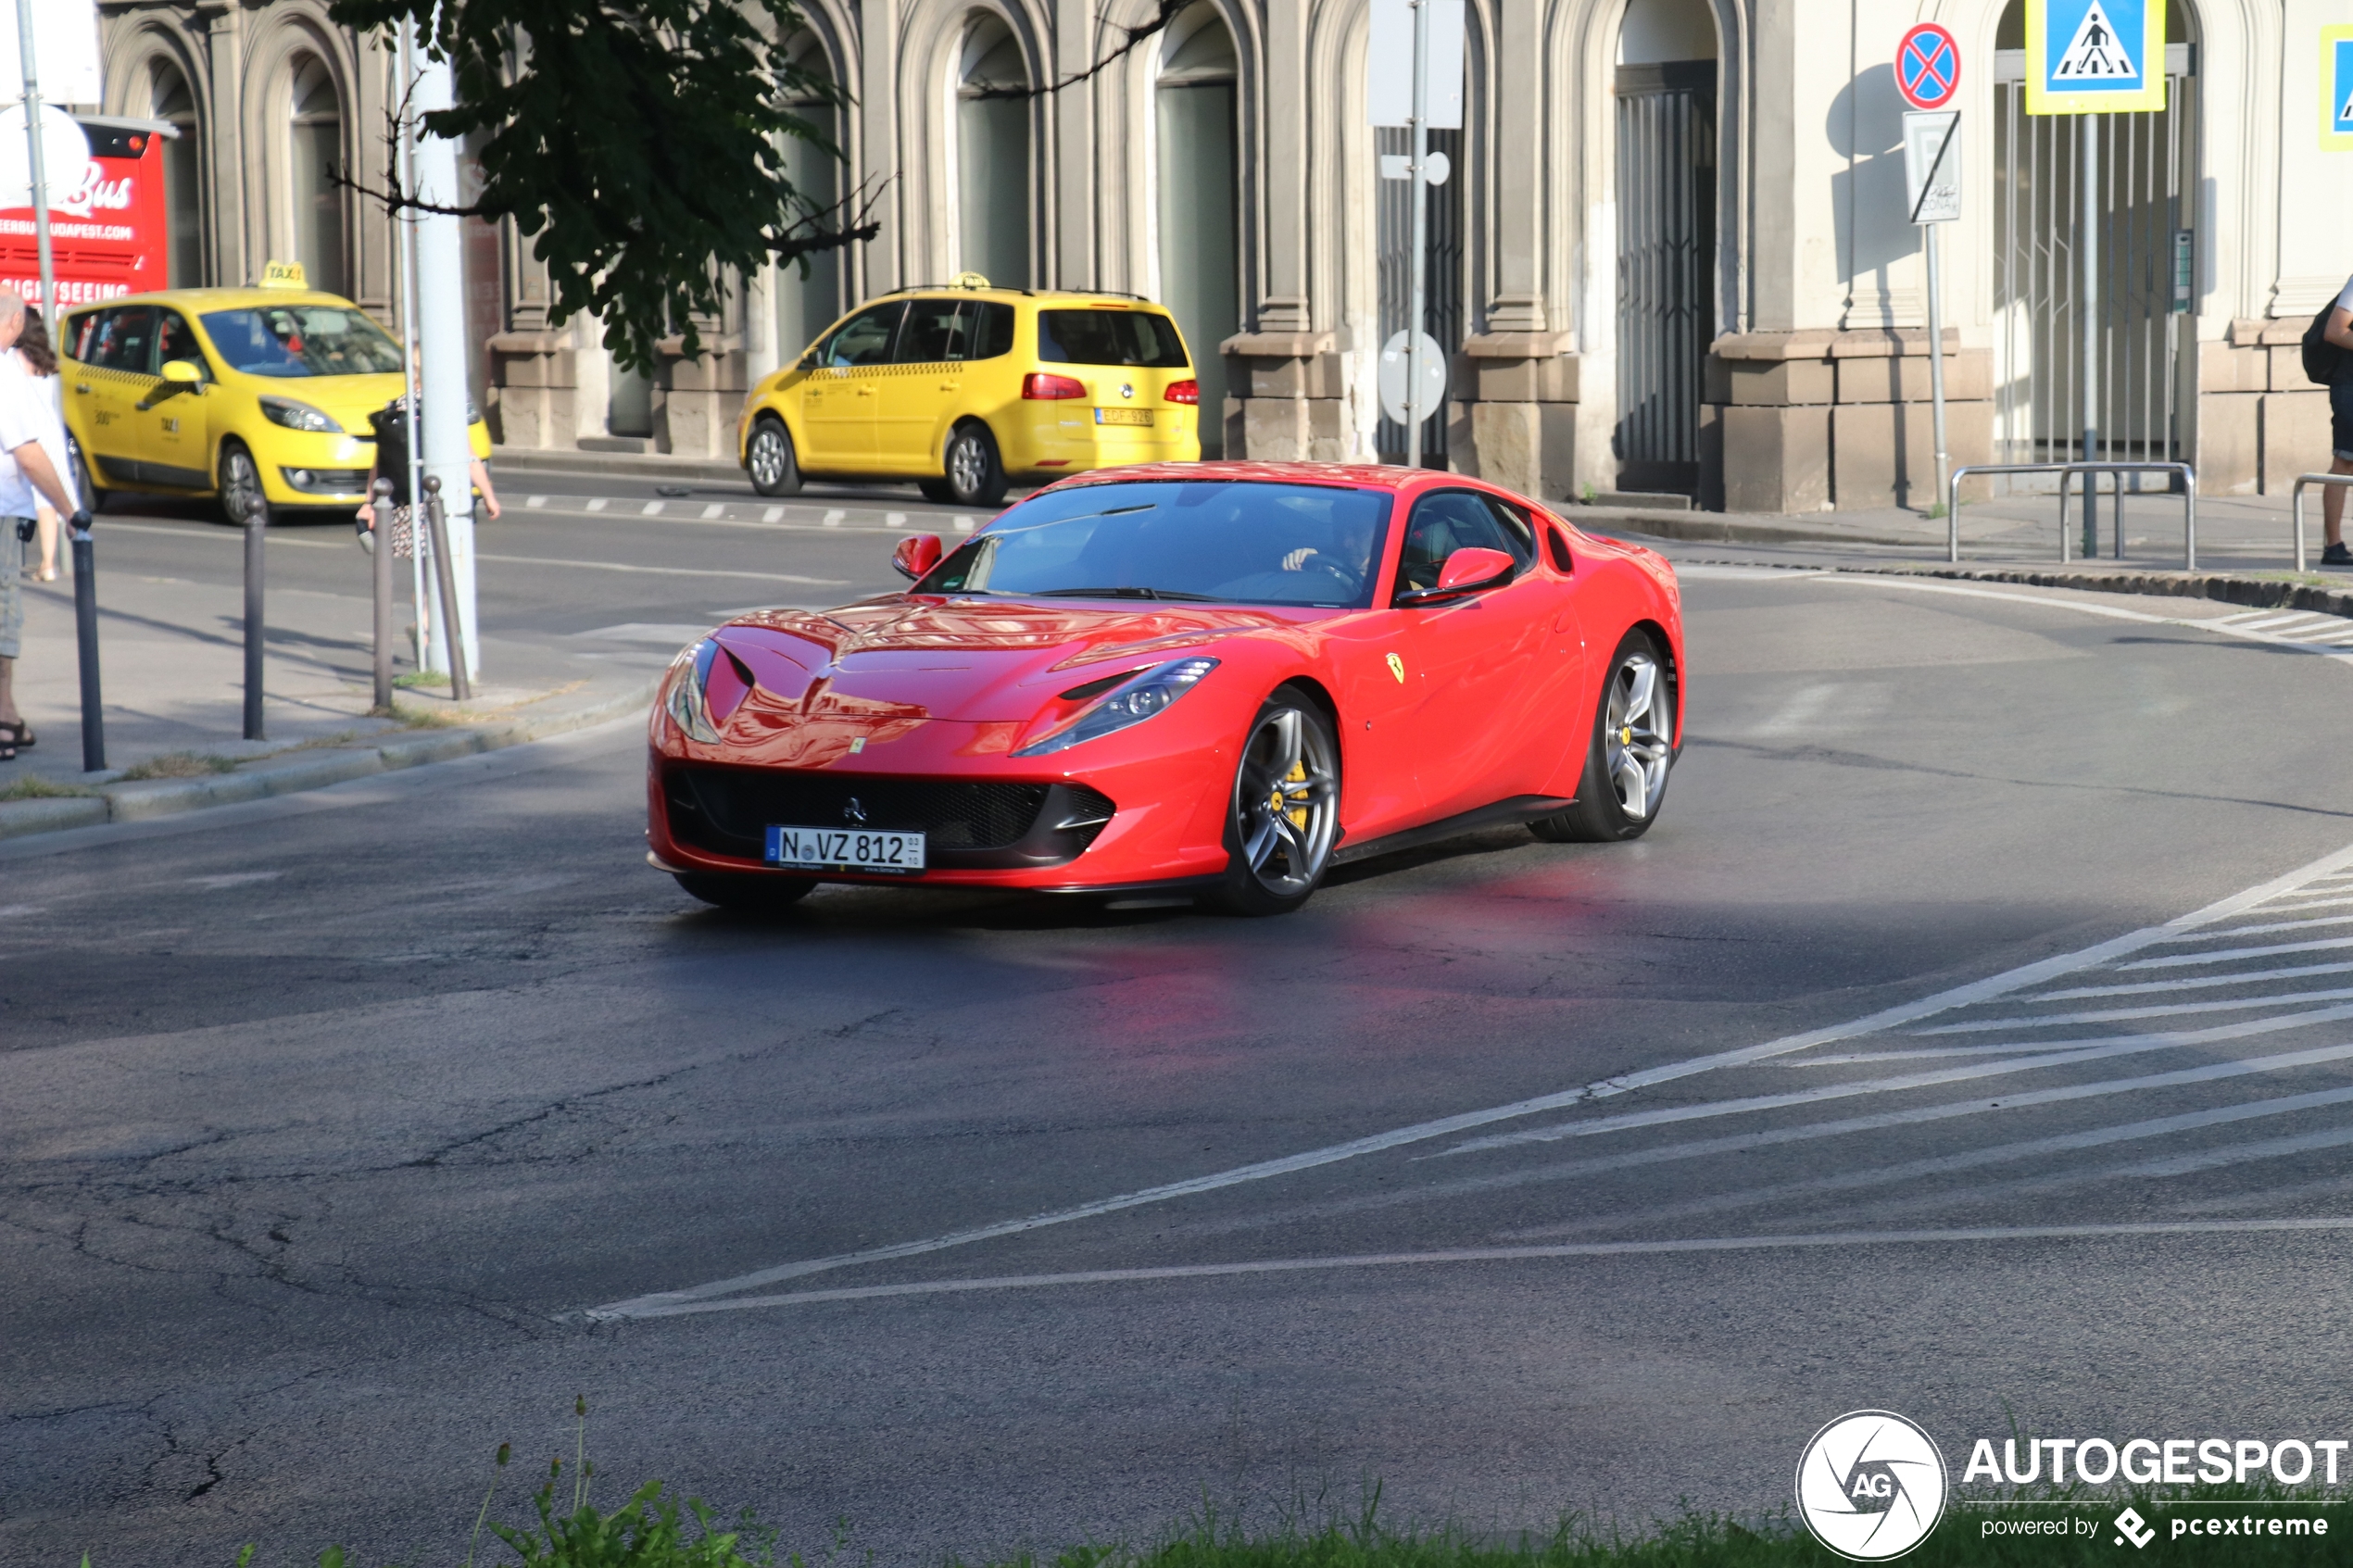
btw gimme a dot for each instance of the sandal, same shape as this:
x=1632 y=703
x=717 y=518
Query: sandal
x=19 y=734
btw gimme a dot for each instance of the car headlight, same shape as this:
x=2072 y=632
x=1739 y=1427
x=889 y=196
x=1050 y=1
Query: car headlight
x=298 y=416
x=689 y=701
x=1131 y=702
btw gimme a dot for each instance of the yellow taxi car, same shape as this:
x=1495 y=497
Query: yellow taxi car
x=259 y=396
x=966 y=388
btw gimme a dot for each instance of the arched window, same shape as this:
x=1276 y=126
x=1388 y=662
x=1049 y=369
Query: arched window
x=992 y=155
x=314 y=145
x=170 y=100
x=806 y=307
x=1200 y=205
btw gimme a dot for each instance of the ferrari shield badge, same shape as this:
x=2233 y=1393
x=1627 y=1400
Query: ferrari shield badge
x=1397 y=668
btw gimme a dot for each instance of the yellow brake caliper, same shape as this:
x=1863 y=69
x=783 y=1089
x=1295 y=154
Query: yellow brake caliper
x=1298 y=814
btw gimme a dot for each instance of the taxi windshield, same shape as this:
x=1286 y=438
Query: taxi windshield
x=1236 y=542
x=302 y=340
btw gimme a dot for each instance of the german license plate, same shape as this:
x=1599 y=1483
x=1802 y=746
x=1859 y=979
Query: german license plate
x=858 y=849
x=1123 y=416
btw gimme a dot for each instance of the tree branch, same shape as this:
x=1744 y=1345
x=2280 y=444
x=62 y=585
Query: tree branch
x=1134 y=36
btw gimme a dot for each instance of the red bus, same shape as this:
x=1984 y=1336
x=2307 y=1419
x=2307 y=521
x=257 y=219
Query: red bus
x=107 y=234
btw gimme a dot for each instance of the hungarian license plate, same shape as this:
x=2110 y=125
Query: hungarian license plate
x=858 y=849
x=1123 y=416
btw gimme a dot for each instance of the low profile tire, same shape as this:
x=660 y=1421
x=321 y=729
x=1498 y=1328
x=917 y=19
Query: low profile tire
x=975 y=473
x=1284 y=816
x=750 y=895
x=1628 y=758
x=936 y=489
x=241 y=500
x=774 y=467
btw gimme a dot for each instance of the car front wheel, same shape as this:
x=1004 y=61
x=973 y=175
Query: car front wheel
x=775 y=470
x=975 y=473
x=241 y=495
x=1284 y=817
x=1627 y=759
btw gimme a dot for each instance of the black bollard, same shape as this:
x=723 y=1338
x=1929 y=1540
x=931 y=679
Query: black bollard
x=256 y=539
x=452 y=634
x=85 y=627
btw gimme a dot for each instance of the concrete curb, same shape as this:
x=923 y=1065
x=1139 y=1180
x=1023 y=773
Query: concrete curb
x=1710 y=528
x=2253 y=592
x=291 y=772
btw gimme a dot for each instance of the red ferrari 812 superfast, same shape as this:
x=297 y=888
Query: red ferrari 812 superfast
x=1206 y=680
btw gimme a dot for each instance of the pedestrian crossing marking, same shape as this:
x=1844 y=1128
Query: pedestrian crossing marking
x=713 y=510
x=651 y=508
x=597 y=504
x=535 y=502
x=772 y=514
x=833 y=518
x=2094 y=52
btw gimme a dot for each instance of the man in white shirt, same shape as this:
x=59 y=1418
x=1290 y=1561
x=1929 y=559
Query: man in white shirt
x=2340 y=335
x=25 y=468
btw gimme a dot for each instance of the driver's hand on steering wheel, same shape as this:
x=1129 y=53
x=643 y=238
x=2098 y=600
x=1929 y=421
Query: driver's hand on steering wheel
x=1297 y=559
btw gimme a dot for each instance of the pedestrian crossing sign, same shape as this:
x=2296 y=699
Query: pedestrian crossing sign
x=2336 y=88
x=2094 y=56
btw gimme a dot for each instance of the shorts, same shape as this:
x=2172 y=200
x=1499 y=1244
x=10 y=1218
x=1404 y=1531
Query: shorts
x=2341 y=418
x=11 y=598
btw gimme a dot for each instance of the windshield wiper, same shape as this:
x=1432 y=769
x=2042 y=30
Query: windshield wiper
x=1121 y=594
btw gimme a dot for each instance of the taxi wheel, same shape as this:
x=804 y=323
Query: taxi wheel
x=975 y=474
x=752 y=895
x=1633 y=748
x=240 y=495
x=775 y=470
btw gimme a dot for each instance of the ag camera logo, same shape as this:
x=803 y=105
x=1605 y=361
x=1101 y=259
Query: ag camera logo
x=1870 y=1485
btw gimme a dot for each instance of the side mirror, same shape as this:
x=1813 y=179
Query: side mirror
x=183 y=372
x=916 y=556
x=1467 y=571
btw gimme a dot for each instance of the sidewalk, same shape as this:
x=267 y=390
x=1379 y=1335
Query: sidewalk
x=172 y=672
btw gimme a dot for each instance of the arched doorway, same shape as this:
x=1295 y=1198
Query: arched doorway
x=314 y=148
x=1200 y=202
x=2145 y=193
x=1665 y=127
x=992 y=155
x=807 y=306
x=170 y=100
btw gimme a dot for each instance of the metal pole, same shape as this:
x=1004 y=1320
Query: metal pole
x=383 y=566
x=460 y=687
x=40 y=179
x=2090 y=307
x=406 y=234
x=2189 y=521
x=1936 y=373
x=1417 y=263
x=2299 y=526
x=85 y=626
x=257 y=566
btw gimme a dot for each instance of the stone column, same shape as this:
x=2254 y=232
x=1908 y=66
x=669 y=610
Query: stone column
x=233 y=219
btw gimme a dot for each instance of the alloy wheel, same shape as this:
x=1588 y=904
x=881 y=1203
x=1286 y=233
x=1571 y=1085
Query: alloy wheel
x=240 y=495
x=767 y=458
x=1636 y=751
x=1287 y=802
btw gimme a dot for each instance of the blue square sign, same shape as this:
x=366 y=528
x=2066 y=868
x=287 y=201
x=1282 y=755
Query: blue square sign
x=2094 y=56
x=2337 y=88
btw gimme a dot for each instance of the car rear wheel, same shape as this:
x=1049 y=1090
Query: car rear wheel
x=776 y=469
x=1628 y=758
x=241 y=500
x=1285 y=813
x=752 y=895
x=975 y=473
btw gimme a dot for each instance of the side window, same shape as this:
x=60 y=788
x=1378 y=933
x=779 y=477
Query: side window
x=993 y=336
x=82 y=336
x=864 y=339
x=123 y=338
x=1517 y=529
x=176 y=340
x=1451 y=521
x=935 y=331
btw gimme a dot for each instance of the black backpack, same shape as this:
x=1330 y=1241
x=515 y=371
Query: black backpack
x=2322 y=358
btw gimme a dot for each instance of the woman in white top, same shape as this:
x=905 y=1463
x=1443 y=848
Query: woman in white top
x=33 y=357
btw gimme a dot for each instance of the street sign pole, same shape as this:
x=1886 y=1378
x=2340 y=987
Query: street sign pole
x=1417 y=263
x=40 y=183
x=2089 y=177
x=1936 y=363
x=1928 y=73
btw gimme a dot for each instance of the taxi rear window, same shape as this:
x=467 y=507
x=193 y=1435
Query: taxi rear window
x=1110 y=337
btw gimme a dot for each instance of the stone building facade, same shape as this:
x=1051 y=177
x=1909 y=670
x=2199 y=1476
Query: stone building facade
x=1672 y=256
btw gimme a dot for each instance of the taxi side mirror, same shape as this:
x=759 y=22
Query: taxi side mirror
x=916 y=556
x=183 y=372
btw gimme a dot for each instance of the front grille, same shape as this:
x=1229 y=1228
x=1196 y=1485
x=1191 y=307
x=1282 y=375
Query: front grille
x=974 y=825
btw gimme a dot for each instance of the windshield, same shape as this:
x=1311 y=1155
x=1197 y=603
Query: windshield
x=1235 y=542
x=302 y=340
x=1110 y=337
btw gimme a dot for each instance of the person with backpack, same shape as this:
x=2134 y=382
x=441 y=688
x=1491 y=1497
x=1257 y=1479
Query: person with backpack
x=2328 y=359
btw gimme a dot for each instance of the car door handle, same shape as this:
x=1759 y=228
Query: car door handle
x=82 y=386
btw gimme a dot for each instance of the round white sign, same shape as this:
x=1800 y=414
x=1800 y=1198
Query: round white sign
x=1428 y=395
x=65 y=158
x=1871 y=1486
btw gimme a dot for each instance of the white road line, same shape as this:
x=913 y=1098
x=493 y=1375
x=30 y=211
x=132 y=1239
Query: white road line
x=2231 y=955
x=2047 y=1053
x=894 y=519
x=2226 y=626
x=533 y=503
x=2269 y=621
x=2290 y=905
x=712 y=510
x=772 y=514
x=964 y=525
x=595 y=503
x=1503 y=1254
x=2227 y=933
x=1962 y=996
x=651 y=508
x=2146 y=988
x=834 y=517
x=661 y=571
x=2118 y=1015
x=234 y=879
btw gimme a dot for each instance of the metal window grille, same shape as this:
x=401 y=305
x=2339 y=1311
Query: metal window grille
x=1666 y=251
x=1442 y=274
x=2146 y=187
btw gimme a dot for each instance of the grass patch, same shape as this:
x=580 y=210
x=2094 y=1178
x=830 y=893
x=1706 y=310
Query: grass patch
x=180 y=765
x=421 y=678
x=326 y=743
x=32 y=786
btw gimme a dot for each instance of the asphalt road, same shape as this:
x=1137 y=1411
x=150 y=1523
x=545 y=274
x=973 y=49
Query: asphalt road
x=352 y=1134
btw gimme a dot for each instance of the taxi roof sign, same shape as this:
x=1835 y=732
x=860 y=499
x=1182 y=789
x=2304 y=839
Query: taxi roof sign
x=283 y=275
x=2094 y=56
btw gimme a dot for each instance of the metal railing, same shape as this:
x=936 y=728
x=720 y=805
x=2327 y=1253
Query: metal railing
x=2068 y=470
x=2335 y=480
